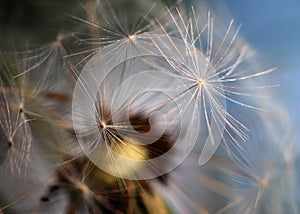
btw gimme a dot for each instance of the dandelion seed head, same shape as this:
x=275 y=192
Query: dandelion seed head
x=10 y=143
x=21 y=110
x=103 y=125
x=84 y=189
x=201 y=82
x=192 y=52
x=59 y=39
x=131 y=37
x=263 y=182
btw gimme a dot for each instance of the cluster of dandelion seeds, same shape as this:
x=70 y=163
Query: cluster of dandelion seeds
x=143 y=108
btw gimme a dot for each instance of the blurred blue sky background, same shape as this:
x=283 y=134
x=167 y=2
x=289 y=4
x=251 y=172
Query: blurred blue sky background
x=273 y=28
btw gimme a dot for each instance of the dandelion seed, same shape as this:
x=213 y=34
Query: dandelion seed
x=118 y=102
x=260 y=186
x=210 y=64
x=111 y=21
x=16 y=136
x=37 y=79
